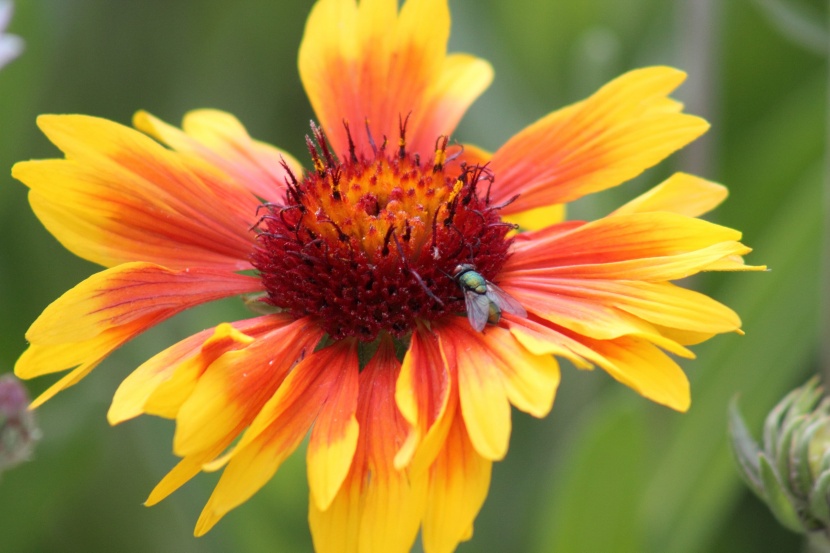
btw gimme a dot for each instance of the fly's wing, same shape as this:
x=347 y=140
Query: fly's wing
x=478 y=309
x=505 y=301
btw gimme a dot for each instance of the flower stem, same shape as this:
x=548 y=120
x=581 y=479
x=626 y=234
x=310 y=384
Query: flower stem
x=824 y=270
x=817 y=542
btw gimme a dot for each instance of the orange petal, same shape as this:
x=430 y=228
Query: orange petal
x=236 y=385
x=109 y=308
x=378 y=508
x=277 y=431
x=172 y=393
x=221 y=140
x=467 y=154
x=458 y=485
x=368 y=63
x=619 y=238
x=681 y=193
x=626 y=127
x=119 y=196
x=530 y=380
x=422 y=393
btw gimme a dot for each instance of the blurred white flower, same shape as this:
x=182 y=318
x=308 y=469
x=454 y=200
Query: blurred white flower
x=10 y=45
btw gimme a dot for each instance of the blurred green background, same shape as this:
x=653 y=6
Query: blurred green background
x=606 y=471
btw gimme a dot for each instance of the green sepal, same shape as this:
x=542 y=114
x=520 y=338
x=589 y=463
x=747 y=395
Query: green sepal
x=784 y=446
x=777 y=498
x=819 y=505
x=745 y=449
x=776 y=418
x=804 y=468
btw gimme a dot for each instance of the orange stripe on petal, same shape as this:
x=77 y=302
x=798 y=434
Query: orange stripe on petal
x=367 y=62
x=161 y=384
x=422 y=393
x=458 y=485
x=378 y=508
x=719 y=257
x=530 y=380
x=237 y=384
x=221 y=140
x=660 y=303
x=276 y=431
x=334 y=437
x=586 y=315
x=633 y=361
x=167 y=398
x=609 y=138
x=681 y=193
x=541 y=339
x=109 y=308
x=119 y=196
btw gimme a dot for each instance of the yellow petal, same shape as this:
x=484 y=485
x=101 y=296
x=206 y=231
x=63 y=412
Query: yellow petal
x=541 y=217
x=681 y=193
x=603 y=309
x=184 y=470
x=530 y=380
x=587 y=316
x=422 y=393
x=459 y=481
x=484 y=404
x=644 y=368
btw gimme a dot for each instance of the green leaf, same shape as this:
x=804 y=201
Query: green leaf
x=797 y=22
x=782 y=450
x=594 y=494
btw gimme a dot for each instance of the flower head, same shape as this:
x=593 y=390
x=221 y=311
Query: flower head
x=18 y=429
x=416 y=287
x=790 y=470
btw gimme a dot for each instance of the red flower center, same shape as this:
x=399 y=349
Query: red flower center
x=371 y=245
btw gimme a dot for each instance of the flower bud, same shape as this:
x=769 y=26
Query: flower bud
x=18 y=430
x=790 y=470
